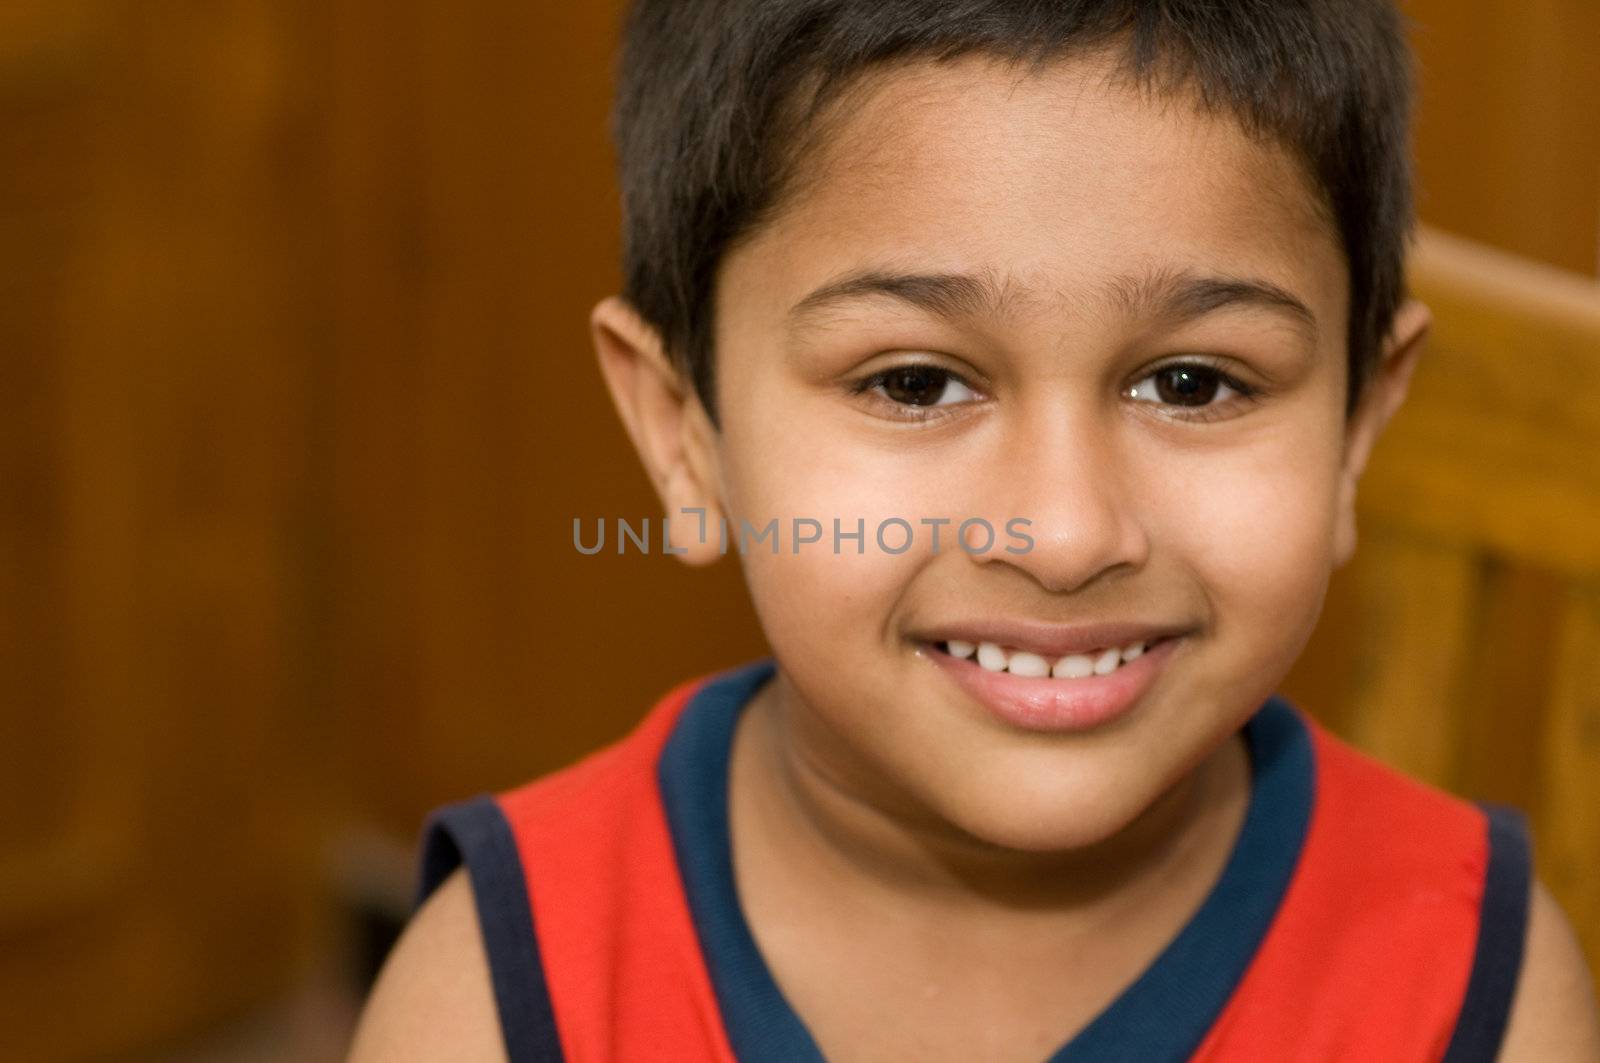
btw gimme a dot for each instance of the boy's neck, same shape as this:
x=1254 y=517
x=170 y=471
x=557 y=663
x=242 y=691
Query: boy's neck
x=814 y=823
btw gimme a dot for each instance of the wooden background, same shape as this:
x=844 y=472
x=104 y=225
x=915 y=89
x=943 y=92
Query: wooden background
x=295 y=374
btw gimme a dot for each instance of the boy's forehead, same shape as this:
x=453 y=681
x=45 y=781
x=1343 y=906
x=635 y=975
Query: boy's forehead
x=1065 y=184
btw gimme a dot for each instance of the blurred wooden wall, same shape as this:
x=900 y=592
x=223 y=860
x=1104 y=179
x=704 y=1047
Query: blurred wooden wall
x=1507 y=139
x=162 y=299
x=475 y=223
x=296 y=408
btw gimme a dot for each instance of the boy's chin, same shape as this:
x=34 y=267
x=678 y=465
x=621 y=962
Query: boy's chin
x=1045 y=814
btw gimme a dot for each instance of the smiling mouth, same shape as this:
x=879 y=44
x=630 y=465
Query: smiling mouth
x=993 y=657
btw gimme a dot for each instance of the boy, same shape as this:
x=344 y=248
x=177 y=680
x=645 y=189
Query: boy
x=1123 y=279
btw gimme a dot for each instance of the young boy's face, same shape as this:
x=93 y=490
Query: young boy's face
x=1123 y=235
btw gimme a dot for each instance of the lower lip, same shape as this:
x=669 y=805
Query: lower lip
x=1047 y=704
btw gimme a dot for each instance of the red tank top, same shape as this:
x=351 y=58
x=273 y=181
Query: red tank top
x=1360 y=916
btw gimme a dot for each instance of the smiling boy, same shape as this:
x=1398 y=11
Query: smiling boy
x=1129 y=273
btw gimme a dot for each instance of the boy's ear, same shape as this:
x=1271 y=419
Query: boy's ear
x=667 y=423
x=1384 y=393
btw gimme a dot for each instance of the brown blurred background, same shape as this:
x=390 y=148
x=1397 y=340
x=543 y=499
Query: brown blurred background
x=297 y=405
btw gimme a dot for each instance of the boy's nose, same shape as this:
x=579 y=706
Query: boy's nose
x=1070 y=477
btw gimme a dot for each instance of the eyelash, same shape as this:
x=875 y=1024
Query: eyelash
x=1248 y=393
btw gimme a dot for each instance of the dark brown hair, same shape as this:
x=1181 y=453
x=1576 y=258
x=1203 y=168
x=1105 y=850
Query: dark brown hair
x=714 y=97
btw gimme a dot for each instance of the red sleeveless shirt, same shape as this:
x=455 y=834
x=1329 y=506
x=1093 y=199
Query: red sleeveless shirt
x=1360 y=916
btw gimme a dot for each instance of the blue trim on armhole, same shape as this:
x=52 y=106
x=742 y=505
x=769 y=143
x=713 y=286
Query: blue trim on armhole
x=1161 y=1018
x=1502 y=928
x=475 y=831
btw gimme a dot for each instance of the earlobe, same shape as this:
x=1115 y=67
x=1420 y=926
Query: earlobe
x=662 y=417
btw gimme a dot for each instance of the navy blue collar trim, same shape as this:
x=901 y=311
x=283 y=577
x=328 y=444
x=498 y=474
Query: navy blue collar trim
x=1163 y=1015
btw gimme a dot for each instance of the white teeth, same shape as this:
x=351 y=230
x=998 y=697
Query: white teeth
x=991 y=657
x=1076 y=666
x=1028 y=664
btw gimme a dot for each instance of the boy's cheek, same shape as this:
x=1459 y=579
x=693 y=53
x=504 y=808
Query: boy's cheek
x=817 y=595
x=863 y=515
x=1261 y=547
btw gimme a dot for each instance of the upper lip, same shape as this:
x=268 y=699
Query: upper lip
x=1053 y=640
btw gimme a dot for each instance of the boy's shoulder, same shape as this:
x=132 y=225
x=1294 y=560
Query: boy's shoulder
x=434 y=997
x=1403 y=914
x=1396 y=853
x=1382 y=842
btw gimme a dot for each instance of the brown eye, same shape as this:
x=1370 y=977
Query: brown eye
x=1187 y=385
x=915 y=385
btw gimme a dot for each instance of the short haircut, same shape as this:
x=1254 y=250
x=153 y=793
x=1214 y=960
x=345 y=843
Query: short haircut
x=715 y=99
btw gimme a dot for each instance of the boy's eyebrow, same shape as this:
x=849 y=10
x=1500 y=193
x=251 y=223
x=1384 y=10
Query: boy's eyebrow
x=1171 y=295
x=947 y=295
x=1178 y=295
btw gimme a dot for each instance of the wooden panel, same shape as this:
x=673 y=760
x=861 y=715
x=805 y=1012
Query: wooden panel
x=1504 y=696
x=159 y=859
x=1496 y=443
x=1507 y=145
x=1567 y=845
x=476 y=222
x=60 y=842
